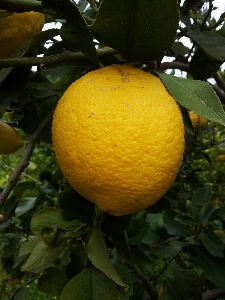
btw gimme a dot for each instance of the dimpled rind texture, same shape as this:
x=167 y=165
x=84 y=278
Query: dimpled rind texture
x=119 y=138
x=18 y=28
x=197 y=121
x=10 y=140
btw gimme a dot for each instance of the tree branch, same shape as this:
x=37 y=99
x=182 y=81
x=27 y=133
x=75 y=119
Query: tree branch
x=51 y=60
x=219 y=81
x=12 y=296
x=25 y=160
x=21 y=5
x=170 y=240
x=219 y=93
x=146 y=283
x=213 y=294
x=174 y=65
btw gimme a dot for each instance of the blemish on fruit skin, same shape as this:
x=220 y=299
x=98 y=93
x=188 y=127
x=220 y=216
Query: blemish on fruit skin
x=91 y=115
x=124 y=75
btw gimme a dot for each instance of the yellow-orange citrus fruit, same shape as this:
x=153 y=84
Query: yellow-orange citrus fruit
x=10 y=140
x=14 y=281
x=18 y=28
x=221 y=157
x=119 y=138
x=197 y=121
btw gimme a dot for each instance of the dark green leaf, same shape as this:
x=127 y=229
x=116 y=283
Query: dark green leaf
x=195 y=95
x=202 y=67
x=218 y=213
x=90 y=284
x=14 y=82
x=212 y=43
x=212 y=243
x=213 y=267
x=74 y=206
x=24 y=205
x=200 y=197
x=29 y=246
x=187 y=283
x=98 y=255
x=126 y=277
x=172 y=226
x=50 y=217
x=115 y=226
x=136 y=231
x=206 y=211
x=162 y=204
x=51 y=281
x=139 y=257
x=75 y=27
x=77 y=247
x=141 y=30
x=42 y=255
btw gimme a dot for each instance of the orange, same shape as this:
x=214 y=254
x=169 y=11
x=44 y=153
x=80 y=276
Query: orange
x=119 y=138
x=18 y=28
x=10 y=140
x=221 y=157
x=197 y=121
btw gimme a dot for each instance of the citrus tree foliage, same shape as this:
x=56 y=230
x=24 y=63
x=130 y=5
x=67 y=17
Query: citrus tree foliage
x=52 y=236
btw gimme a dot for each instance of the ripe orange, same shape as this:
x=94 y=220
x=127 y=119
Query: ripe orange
x=10 y=140
x=221 y=157
x=197 y=121
x=119 y=138
x=18 y=28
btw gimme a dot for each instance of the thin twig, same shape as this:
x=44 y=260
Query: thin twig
x=174 y=65
x=21 y=5
x=167 y=264
x=213 y=294
x=12 y=296
x=51 y=60
x=219 y=93
x=207 y=15
x=170 y=240
x=219 y=81
x=146 y=283
x=25 y=160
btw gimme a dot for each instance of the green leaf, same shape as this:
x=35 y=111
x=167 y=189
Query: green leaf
x=29 y=246
x=213 y=267
x=211 y=43
x=199 y=198
x=206 y=212
x=90 y=284
x=137 y=230
x=172 y=226
x=202 y=67
x=51 y=281
x=42 y=255
x=212 y=243
x=195 y=95
x=126 y=277
x=75 y=32
x=98 y=255
x=63 y=74
x=187 y=283
x=24 y=205
x=74 y=206
x=14 y=82
x=77 y=247
x=50 y=217
x=141 y=30
x=218 y=213
x=115 y=225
